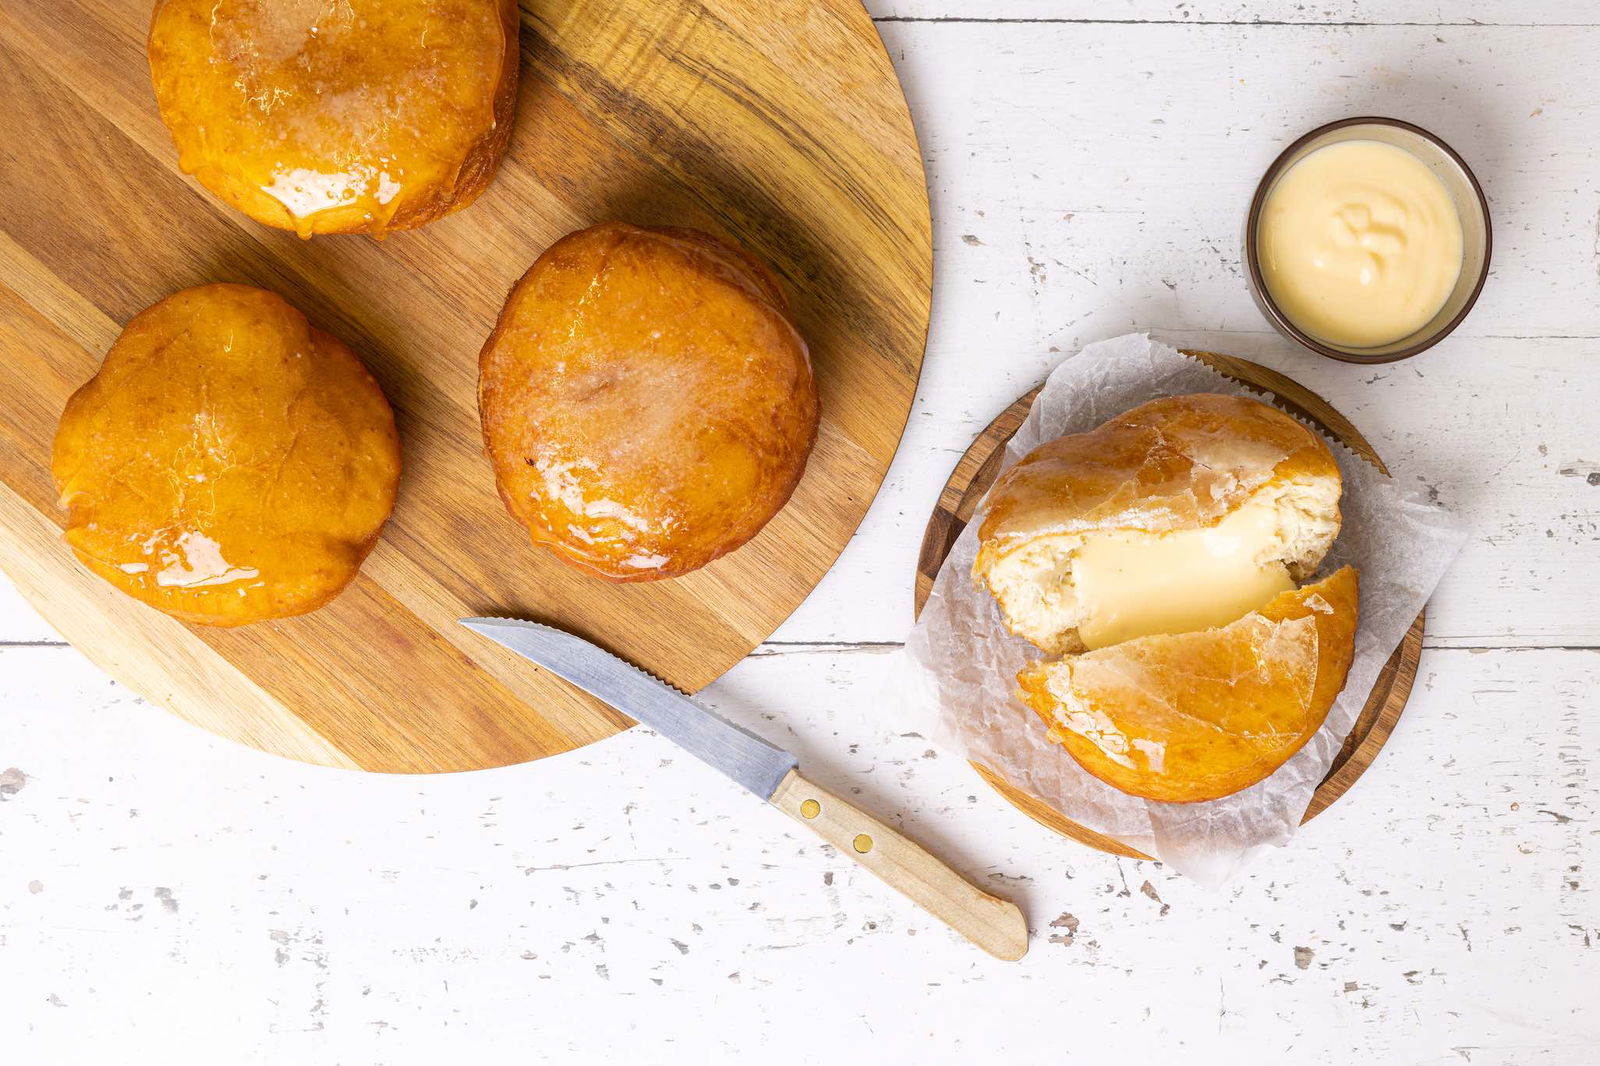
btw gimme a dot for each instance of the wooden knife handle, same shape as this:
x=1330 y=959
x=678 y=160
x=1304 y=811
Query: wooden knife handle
x=994 y=924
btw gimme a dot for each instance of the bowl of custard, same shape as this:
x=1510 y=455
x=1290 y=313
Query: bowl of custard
x=1367 y=240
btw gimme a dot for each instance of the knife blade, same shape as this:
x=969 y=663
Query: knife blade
x=994 y=924
x=739 y=754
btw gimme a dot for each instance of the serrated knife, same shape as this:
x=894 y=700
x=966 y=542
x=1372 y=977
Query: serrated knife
x=994 y=924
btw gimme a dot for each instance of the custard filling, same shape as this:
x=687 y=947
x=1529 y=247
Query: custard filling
x=1136 y=584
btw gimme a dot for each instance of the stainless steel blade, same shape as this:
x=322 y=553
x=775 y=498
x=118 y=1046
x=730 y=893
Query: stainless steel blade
x=745 y=757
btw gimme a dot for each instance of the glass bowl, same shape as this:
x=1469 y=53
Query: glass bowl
x=1470 y=205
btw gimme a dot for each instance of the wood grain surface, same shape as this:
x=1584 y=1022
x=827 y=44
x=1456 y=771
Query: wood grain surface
x=780 y=125
x=980 y=465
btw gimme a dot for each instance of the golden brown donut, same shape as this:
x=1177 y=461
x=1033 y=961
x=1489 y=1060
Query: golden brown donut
x=646 y=402
x=1198 y=716
x=347 y=117
x=228 y=463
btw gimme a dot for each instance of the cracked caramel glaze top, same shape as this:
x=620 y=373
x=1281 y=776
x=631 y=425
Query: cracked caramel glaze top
x=338 y=116
x=228 y=463
x=646 y=402
x=1178 y=462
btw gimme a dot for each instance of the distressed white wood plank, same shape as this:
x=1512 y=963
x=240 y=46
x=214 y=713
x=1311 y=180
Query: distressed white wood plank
x=1100 y=166
x=165 y=891
x=1547 y=13
x=19 y=623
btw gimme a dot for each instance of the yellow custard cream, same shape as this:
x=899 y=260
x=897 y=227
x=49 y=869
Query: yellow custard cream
x=1138 y=584
x=1359 y=244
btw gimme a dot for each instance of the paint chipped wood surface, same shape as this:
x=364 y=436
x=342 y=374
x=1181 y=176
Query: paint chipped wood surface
x=166 y=892
x=783 y=128
x=173 y=891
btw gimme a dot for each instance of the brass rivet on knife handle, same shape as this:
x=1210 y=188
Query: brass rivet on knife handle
x=995 y=925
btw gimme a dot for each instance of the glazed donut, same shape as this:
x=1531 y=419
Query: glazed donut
x=228 y=463
x=646 y=402
x=354 y=116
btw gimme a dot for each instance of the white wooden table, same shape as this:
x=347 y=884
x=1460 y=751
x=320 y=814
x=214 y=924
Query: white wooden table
x=166 y=897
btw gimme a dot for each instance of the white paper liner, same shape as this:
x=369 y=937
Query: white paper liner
x=958 y=680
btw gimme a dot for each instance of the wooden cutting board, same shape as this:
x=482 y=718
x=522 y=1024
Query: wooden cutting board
x=980 y=466
x=780 y=124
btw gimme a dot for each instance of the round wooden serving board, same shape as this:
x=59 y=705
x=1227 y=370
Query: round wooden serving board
x=979 y=467
x=780 y=124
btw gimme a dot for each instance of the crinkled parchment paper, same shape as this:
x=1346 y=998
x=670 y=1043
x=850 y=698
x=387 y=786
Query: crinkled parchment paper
x=961 y=664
